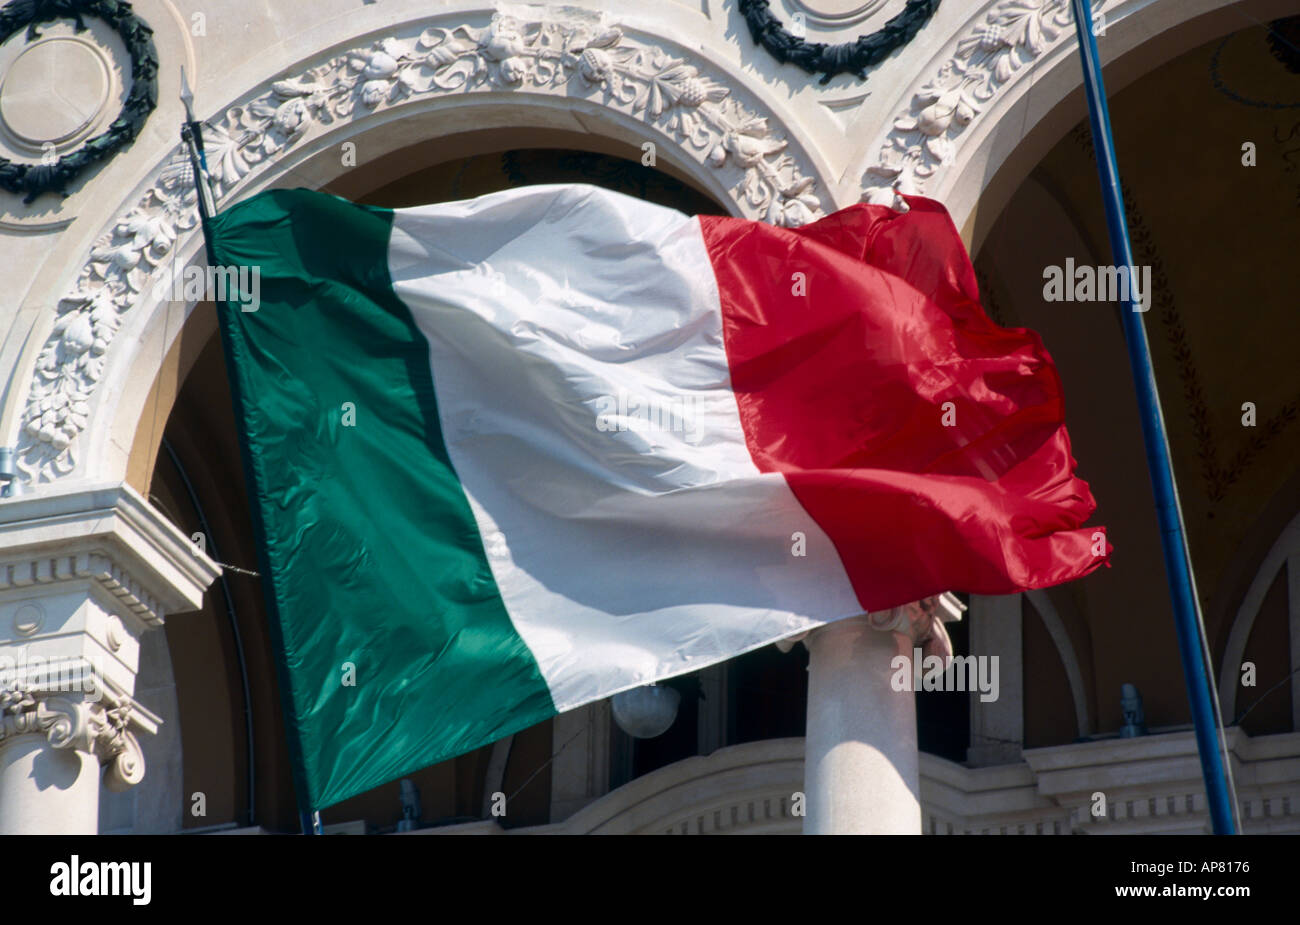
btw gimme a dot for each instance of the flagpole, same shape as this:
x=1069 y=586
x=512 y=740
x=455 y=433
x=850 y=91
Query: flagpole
x=311 y=822
x=192 y=139
x=1173 y=537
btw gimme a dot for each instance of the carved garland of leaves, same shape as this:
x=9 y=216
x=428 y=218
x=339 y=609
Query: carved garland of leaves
x=1284 y=42
x=507 y=54
x=845 y=58
x=1013 y=35
x=32 y=180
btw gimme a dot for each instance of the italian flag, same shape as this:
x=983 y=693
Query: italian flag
x=512 y=455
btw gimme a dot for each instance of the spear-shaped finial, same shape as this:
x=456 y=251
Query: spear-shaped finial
x=187 y=97
x=192 y=137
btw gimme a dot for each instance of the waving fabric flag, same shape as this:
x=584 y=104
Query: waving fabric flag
x=515 y=454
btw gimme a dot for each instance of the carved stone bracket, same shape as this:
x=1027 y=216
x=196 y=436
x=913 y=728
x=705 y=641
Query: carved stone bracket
x=990 y=56
x=561 y=52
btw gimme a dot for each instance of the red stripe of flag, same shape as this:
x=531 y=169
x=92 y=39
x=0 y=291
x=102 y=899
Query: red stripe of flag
x=842 y=388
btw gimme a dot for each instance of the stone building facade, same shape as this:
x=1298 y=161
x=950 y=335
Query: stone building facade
x=126 y=495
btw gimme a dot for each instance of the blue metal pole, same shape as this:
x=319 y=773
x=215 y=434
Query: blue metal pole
x=311 y=822
x=1172 y=536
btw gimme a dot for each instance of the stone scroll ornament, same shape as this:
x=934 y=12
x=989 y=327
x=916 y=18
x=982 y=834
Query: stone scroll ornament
x=845 y=58
x=99 y=729
x=32 y=180
x=579 y=57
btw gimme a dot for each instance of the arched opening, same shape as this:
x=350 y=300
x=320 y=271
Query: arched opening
x=1051 y=214
x=1215 y=235
x=232 y=737
x=1261 y=652
x=1025 y=119
x=1265 y=706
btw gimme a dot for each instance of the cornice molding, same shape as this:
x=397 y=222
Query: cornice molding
x=110 y=536
x=1152 y=785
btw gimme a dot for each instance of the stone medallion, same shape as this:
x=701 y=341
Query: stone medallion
x=53 y=91
x=77 y=82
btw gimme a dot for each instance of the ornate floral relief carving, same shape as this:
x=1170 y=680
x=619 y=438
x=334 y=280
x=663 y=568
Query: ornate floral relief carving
x=579 y=57
x=66 y=721
x=924 y=138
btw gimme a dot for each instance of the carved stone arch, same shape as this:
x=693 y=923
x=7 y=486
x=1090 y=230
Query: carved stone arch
x=114 y=325
x=1069 y=658
x=1008 y=86
x=1285 y=554
x=741 y=789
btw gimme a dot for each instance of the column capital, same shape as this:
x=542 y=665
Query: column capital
x=920 y=621
x=84 y=572
x=923 y=621
x=105 y=727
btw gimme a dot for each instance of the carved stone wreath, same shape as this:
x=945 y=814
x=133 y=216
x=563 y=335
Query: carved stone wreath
x=845 y=58
x=1284 y=42
x=583 y=57
x=1282 y=36
x=31 y=180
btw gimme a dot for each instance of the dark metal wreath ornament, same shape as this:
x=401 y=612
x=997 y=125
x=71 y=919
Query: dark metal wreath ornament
x=845 y=58
x=1284 y=42
x=34 y=179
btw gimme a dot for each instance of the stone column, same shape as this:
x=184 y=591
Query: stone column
x=83 y=573
x=997 y=729
x=580 y=771
x=52 y=748
x=861 y=763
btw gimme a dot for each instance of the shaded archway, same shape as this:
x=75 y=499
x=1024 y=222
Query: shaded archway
x=192 y=462
x=984 y=112
x=1219 y=328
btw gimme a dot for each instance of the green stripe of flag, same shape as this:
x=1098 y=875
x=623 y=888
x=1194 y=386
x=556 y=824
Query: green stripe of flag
x=370 y=553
